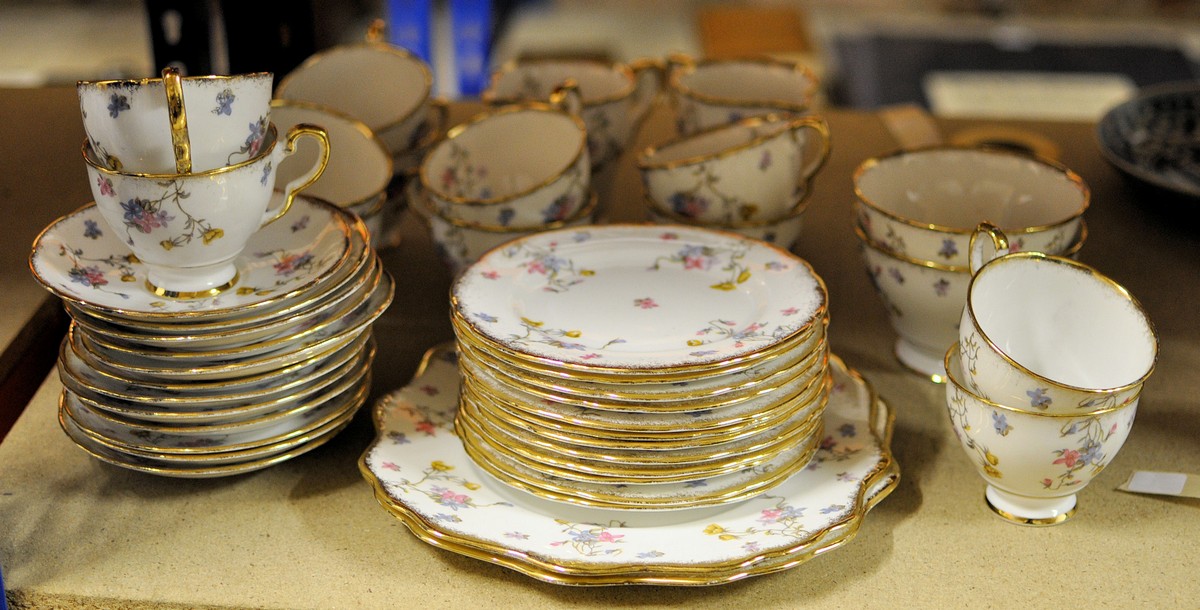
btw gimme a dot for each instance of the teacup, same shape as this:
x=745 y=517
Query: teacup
x=783 y=232
x=359 y=169
x=925 y=203
x=129 y=122
x=519 y=166
x=1034 y=462
x=378 y=83
x=752 y=170
x=923 y=300
x=711 y=92
x=1051 y=334
x=460 y=243
x=615 y=96
x=189 y=228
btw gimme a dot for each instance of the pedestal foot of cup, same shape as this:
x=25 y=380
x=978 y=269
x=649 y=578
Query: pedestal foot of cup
x=191 y=282
x=917 y=360
x=1024 y=510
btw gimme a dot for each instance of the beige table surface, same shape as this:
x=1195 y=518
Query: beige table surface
x=309 y=534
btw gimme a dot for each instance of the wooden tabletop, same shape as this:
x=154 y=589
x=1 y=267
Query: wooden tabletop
x=308 y=533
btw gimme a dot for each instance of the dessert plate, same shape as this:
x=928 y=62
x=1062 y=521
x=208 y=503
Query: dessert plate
x=421 y=474
x=80 y=260
x=637 y=298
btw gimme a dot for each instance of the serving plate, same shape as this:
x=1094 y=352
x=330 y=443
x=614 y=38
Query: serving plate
x=422 y=475
x=1155 y=137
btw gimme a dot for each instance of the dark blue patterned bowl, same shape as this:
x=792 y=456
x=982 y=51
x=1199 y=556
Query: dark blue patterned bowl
x=1155 y=137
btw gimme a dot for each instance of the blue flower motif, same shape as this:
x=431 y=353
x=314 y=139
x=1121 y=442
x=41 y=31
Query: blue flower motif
x=224 y=103
x=91 y=229
x=116 y=104
x=1091 y=453
x=1038 y=398
x=941 y=287
x=832 y=508
x=266 y=174
x=650 y=554
x=506 y=216
x=1000 y=422
x=949 y=249
x=487 y=317
x=847 y=430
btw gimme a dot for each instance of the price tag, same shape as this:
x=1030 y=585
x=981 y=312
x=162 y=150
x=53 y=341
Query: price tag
x=1163 y=484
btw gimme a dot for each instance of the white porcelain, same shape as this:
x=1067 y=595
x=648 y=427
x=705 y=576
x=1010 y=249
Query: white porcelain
x=460 y=244
x=616 y=96
x=128 y=125
x=310 y=250
x=750 y=171
x=424 y=478
x=710 y=92
x=784 y=232
x=360 y=166
x=924 y=204
x=638 y=298
x=1049 y=333
x=475 y=175
x=189 y=229
x=1034 y=462
x=380 y=84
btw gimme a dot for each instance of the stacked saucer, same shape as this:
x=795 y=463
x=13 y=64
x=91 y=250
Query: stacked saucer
x=225 y=384
x=641 y=367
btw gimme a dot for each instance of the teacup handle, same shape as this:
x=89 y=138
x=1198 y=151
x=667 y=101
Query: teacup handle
x=567 y=98
x=648 y=79
x=978 y=251
x=302 y=182
x=180 y=142
x=818 y=125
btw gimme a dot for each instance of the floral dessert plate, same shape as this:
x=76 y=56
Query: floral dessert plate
x=80 y=260
x=422 y=475
x=637 y=298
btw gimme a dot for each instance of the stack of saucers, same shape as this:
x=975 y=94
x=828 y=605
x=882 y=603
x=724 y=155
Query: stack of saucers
x=641 y=367
x=225 y=384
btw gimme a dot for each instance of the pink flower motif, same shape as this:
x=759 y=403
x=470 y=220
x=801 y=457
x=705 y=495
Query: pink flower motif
x=1069 y=458
x=429 y=390
x=449 y=178
x=1112 y=429
x=427 y=427
x=770 y=515
x=391 y=466
x=590 y=356
x=646 y=303
x=695 y=262
x=828 y=443
x=607 y=536
x=106 y=187
x=668 y=236
x=536 y=267
x=790 y=311
x=491 y=275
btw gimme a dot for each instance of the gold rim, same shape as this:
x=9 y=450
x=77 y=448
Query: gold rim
x=681 y=66
x=951 y=375
x=195 y=294
x=1090 y=271
x=1075 y=179
x=270 y=139
x=141 y=82
x=788 y=125
x=489 y=115
x=489 y=96
x=1007 y=516
x=381 y=47
x=866 y=241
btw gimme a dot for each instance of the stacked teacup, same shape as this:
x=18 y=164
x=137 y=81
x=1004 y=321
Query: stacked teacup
x=715 y=91
x=219 y=325
x=915 y=211
x=752 y=176
x=505 y=173
x=389 y=90
x=1045 y=378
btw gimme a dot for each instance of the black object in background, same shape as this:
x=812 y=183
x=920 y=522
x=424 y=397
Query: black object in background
x=268 y=35
x=181 y=35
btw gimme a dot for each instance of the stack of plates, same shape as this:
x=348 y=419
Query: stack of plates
x=226 y=384
x=641 y=367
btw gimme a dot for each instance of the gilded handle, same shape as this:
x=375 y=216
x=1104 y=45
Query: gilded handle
x=180 y=142
x=978 y=253
x=292 y=188
x=808 y=171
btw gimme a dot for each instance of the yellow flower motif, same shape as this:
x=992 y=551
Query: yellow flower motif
x=212 y=234
x=991 y=471
x=727 y=537
x=694 y=342
x=991 y=458
x=587 y=272
x=743 y=276
x=723 y=286
x=131 y=259
x=245 y=290
x=166 y=244
x=531 y=322
x=471 y=486
x=441 y=466
x=128 y=277
x=574 y=334
x=714 y=529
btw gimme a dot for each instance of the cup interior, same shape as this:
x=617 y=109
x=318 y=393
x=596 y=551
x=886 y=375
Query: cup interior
x=504 y=154
x=748 y=80
x=715 y=141
x=269 y=139
x=1062 y=321
x=955 y=188
x=359 y=167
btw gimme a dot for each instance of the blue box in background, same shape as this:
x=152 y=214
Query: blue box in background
x=471 y=21
x=410 y=25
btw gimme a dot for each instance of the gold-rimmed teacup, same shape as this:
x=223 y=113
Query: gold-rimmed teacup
x=711 y=91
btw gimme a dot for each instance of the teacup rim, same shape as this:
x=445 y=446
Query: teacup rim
x=969 y=309
x=677 y=67
x=269 y=141
x=489 y=96
x=486 y=115
x=85 y=85
x=883 y=249
x=1067 y=172
x=385 y=47
x=789 y=123
x=952 y=375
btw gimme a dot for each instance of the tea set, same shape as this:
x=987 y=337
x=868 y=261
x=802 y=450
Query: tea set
x=666 y=383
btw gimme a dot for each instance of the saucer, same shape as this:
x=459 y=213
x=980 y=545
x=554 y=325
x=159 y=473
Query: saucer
x=422 y=475
x=637 y=299
x=1152 y=138
x=80 y=260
